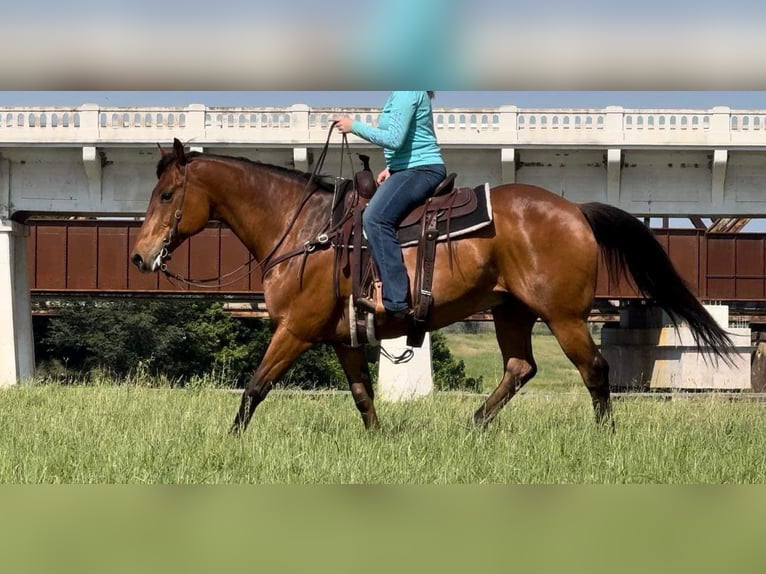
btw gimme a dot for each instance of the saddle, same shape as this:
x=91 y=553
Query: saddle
x=449 y=212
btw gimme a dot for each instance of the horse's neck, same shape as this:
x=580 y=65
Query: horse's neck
x=260 y=210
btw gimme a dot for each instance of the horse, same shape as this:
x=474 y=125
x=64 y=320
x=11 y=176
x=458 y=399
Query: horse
x=537 y=260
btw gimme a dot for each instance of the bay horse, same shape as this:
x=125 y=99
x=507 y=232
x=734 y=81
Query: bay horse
x=537 y=260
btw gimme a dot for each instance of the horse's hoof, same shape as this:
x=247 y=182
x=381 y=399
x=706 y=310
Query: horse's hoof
x=479 y=422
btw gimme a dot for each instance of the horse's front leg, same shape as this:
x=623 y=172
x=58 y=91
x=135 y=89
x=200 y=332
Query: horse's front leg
x=284 y=348
x=354 y=363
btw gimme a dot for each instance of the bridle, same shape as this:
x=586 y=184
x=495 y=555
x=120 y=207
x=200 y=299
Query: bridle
x=173 y=277
x=179 y=213
x=269 y=261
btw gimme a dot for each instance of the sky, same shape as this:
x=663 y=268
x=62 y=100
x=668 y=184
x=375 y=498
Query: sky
x=557 y=45
x=319 y=98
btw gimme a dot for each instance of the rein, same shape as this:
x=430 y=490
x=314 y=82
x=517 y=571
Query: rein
x=323 y=239
x=267 y=263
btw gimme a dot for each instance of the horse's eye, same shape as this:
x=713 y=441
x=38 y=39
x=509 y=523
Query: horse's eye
x=166 y=196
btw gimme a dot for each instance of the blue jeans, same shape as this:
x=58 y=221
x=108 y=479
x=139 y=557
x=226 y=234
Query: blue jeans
x=393 y=200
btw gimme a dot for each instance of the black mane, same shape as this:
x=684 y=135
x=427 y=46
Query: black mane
x=322 y=181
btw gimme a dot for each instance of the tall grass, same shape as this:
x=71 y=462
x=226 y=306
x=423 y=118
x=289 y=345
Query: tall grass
x=133 y=434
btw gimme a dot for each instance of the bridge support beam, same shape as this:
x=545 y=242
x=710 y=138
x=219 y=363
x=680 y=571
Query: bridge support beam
x=92 y=162
x=613 y=175
x=508 y=158
x=720 y=161
x=405 y=381
x=17 y=356
x=301 y=158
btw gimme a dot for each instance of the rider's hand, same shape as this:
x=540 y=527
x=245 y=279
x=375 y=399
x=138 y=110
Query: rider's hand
x=383 y=176
x=343 y=124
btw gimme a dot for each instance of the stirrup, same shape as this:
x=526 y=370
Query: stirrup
x=366 y=304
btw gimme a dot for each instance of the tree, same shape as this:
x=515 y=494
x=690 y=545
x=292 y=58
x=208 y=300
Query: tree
x=449 y=375
x=175 y=338
x=184 y=338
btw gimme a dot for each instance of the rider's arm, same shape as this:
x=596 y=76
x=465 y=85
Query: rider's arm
x=403 y=106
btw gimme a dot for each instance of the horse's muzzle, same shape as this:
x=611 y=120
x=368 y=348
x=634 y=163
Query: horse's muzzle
x=148 y=267
x=138 y=261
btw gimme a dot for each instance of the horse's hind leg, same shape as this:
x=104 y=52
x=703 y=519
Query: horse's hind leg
x=284 y=348
x=354 y=363
x=578 y=345
x=513 y=329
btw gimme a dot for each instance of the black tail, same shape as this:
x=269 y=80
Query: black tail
x=629 y=244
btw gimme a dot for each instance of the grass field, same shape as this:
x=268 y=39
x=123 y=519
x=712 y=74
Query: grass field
x=481 y=355
x=130 y=434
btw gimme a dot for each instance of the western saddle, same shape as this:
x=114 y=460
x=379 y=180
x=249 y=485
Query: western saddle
x=352 y=256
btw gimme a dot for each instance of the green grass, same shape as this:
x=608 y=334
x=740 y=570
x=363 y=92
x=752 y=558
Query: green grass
x=481 y=355
x=129 y=434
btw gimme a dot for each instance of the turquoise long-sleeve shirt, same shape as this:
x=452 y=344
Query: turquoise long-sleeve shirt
x=405 y=131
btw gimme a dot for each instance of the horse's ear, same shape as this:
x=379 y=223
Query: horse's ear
x=163 y=152
x=178 y=149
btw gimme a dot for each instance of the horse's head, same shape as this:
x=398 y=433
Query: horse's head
x=178 y=208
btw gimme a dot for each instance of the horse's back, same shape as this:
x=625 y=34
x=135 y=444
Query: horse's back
x=533 y=206
x=531 y=196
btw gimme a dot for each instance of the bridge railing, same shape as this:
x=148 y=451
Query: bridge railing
x=300 y=125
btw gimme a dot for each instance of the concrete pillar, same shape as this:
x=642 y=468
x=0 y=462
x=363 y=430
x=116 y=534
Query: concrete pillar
x=720 y=161
x=613 y=175
x=17 y=356
x=720 y=125
x=196 y=123
x=301 y=158
x=508 y=124
x=90 y=125
x=92 y=162
x=613 y=125
x=405 y=381
x=299 y=122
x=645 y=352
x=508 y=157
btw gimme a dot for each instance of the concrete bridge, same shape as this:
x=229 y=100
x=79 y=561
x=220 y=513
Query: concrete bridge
x=92 y=160
x=649 y=162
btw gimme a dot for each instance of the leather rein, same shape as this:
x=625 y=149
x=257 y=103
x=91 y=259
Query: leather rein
x=269 y=261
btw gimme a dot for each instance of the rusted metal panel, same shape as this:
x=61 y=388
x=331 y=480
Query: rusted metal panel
x=749 y=265
x=721 y=267
x=736 y=267
x=233 y=256
x=51 y=253
x=94 y=256
x=112 y=273
x=82 y=257
x=608 y=287
x=32 y=257
x=683 y=248
x=204 y=256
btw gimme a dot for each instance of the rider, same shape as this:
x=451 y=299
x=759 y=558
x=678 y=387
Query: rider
x=414 y=168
